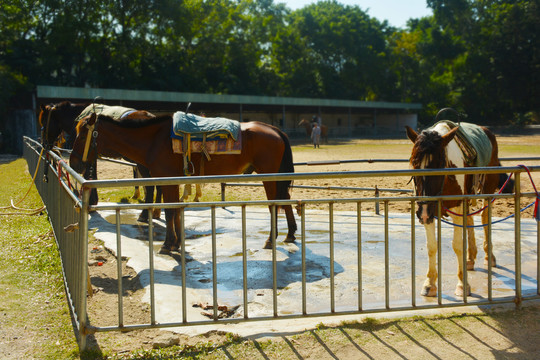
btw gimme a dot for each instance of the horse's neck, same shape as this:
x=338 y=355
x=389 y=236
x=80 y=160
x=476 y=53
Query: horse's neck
x=71 y=114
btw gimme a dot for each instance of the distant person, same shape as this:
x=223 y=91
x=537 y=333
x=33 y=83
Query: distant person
x=316 y=135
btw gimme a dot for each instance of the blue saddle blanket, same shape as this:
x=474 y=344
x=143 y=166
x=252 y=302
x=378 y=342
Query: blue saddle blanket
x=196 y=126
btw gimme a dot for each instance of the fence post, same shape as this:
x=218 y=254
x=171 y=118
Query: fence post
x=83 y=269
x=377 y=202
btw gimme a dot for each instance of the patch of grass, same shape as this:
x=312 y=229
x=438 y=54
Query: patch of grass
x=35 y=316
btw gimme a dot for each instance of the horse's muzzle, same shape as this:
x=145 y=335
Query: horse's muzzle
x=426 y=212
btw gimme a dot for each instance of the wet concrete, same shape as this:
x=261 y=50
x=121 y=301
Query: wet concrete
x=199 y=268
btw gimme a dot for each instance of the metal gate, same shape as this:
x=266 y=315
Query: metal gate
x=65 y=209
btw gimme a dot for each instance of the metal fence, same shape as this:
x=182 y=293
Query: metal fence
x=65 y=208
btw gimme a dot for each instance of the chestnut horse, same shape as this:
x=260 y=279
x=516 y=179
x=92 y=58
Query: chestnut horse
x=265 y=149
x=309 y=128
x=60 y=119
x=437 y=148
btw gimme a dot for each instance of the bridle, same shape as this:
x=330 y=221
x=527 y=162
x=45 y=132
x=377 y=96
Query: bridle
x=423 y=188
x=89 y=145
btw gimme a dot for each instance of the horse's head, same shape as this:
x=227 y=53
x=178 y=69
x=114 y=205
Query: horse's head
x=84 y=150
x=429 y=152
x=50 y=125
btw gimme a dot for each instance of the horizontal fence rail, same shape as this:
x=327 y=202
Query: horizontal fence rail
x=350 y=233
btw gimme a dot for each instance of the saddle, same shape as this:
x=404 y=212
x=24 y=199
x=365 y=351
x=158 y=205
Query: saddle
x=197 y=134
x=473 y=141
x=476 y=148
x=114 y=112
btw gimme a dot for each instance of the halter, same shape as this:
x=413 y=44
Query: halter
x=424 y=191
x=91 y=135
x=91 y=142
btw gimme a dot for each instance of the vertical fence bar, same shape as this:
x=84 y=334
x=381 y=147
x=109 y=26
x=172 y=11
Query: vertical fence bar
x=439 y=251
x=386 y=258
x=183 y=262
x=331 y=230
x=214 y=264
x=517 y=235
x=119 y=269
x=304 y=278
x=83 y=271
x=244 y=263
x=151 y=265
x=413 y=255
x=273 y=234
x=359 y=246
x=490 y=251
x=465 y=249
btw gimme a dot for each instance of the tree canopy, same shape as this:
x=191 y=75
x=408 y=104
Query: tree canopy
x=482 y=57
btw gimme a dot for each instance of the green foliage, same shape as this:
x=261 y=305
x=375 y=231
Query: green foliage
x=482 y=57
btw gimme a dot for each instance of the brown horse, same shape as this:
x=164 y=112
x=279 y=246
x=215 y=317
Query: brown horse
x=59 y=121
x=309 y=128
x=437 y=148
x=265 y=149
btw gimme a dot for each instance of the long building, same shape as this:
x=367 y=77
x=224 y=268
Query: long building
x=344 y=118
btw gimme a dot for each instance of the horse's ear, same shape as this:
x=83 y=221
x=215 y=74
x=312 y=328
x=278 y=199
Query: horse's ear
x=411 y=134
x=446 y=138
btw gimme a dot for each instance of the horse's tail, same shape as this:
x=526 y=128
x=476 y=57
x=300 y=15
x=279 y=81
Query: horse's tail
x=506 y=184
x=286 y=166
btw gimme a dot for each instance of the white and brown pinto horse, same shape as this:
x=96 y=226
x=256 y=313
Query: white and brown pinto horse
x=437 y=148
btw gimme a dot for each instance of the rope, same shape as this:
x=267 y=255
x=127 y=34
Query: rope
x=480 y=210
x=484 y=225
x=61 y=173
x=14 y=205
x=536 y=213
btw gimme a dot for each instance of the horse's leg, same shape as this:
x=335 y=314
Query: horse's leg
x=457 y=244
x=157 y=211
x=137 y=192
x=291 y=224
x=148 y=199
x=198 y=193
x=430 y=285
x=170 y=194
x=472 y=251
x=271 y=191
x=271 y=237
x=486 y=241
x=186 y=193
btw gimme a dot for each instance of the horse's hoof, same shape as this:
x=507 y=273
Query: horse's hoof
x=429 y=290
x=142 y=219
x=470 y=264
x=493 y=262
x=164 y=250
x=290 y=239
x=459 y=290
x=268 y=245
x=175 y=248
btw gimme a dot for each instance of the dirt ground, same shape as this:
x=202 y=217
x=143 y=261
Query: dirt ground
x=103 y=264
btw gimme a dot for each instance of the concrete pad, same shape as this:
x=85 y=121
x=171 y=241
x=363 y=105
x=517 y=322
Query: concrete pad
x=229 y=270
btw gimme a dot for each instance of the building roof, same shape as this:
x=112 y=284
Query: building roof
x=167 y=99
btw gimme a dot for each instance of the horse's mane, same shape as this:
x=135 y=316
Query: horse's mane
x=428 y=143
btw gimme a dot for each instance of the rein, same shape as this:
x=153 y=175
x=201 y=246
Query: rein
x=536 y=213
